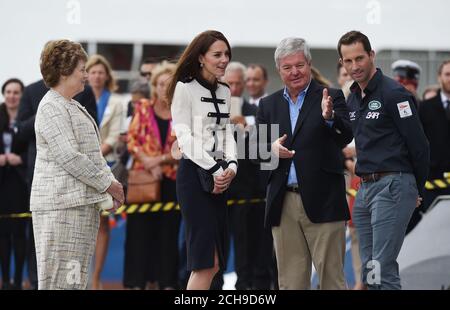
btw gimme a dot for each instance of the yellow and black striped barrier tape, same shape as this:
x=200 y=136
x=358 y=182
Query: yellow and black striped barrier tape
x=438 y=183
x=169 y=206
x=173 y=206
x=144 y=208
x=16 y=215
x=244 y=201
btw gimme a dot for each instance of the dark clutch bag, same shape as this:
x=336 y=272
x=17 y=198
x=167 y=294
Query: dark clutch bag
x=207 y=179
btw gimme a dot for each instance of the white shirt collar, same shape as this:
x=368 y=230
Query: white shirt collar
x=252 y=100
x=444 y=99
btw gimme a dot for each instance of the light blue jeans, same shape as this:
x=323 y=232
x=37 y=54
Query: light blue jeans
x=381 y=214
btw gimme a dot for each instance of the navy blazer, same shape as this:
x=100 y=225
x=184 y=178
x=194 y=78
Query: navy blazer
x=437 y=129
x=250 y=182
x=17 y=148
x=318 y=155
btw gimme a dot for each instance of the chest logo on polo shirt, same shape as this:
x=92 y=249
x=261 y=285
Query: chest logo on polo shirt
x=404 y=109
x=372 y=115
x=374 y=105
x=352 y=115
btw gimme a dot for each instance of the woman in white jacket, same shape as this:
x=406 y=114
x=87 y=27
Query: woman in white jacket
x=200 y=107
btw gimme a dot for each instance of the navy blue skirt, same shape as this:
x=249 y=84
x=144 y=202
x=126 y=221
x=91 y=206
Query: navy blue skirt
x=205 y=216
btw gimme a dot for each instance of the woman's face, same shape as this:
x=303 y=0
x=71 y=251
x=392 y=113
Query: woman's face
x=215 y=61
x=97 y=76
x=12 y=94
x=76 y=81
x=161 y=86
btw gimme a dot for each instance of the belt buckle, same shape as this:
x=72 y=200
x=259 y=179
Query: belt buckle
x=294 y=188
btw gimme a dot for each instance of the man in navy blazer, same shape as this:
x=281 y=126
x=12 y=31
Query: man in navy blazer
x=306 y=204
x=434 y=115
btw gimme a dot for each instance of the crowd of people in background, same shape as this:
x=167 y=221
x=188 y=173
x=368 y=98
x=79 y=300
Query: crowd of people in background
x=137 y=135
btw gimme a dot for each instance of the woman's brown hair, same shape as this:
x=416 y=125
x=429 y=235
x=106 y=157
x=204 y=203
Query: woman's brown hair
x=96 y=59
x=188 y=66
x=60 y=58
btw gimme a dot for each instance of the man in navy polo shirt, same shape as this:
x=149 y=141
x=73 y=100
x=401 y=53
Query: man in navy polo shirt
x=393 y=160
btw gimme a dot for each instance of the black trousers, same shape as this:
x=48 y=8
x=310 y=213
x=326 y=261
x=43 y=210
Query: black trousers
x=253 y=246
x=12 y=241
x=151 y=245
x=151 y=249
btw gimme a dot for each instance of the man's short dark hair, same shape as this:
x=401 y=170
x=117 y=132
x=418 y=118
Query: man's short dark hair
x=352 y=37
x=441 y=66
x=152 y=60
x=263 y=69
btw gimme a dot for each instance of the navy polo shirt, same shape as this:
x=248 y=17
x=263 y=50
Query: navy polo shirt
x=387 y=130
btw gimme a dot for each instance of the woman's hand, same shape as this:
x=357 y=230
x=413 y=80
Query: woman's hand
x=13 y=159
x=150 y=162
x=2 y=160
x=216 y=190
x=106 y=149
x=116 y=191
x=222 y=182
x=228 y=175
x=156 y=172
x=116 y=205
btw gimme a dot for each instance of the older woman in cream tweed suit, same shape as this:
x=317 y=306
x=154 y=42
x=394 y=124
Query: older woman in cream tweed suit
x=71 y=176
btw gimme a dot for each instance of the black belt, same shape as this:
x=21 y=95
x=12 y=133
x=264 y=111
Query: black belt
x=373 y=177
x=293 y=188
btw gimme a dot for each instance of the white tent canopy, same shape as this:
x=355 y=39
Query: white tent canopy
x=26 y=25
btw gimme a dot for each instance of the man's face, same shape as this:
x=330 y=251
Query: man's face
x=146 y=71
x=444 y=79
x=255 y=82
x=357 y=62
x=343 y=77
x=295 y=72
x=235 y=80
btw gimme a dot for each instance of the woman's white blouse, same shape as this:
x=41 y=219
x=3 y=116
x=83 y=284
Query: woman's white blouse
x=201 y=121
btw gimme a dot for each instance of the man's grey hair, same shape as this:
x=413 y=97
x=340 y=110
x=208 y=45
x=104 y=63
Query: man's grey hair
x=140 y=87
x=290 y=46
x=236 y=66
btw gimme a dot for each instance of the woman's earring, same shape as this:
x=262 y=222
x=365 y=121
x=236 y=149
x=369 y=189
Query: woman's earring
x=201 y=65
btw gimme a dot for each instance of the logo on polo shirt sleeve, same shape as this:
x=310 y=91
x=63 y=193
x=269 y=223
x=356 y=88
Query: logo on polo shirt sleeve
x=404 y=109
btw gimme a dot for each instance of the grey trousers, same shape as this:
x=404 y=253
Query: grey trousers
x=65 y=243
x=381 y=214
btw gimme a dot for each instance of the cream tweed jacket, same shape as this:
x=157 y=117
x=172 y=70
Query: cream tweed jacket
x=70 y=170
